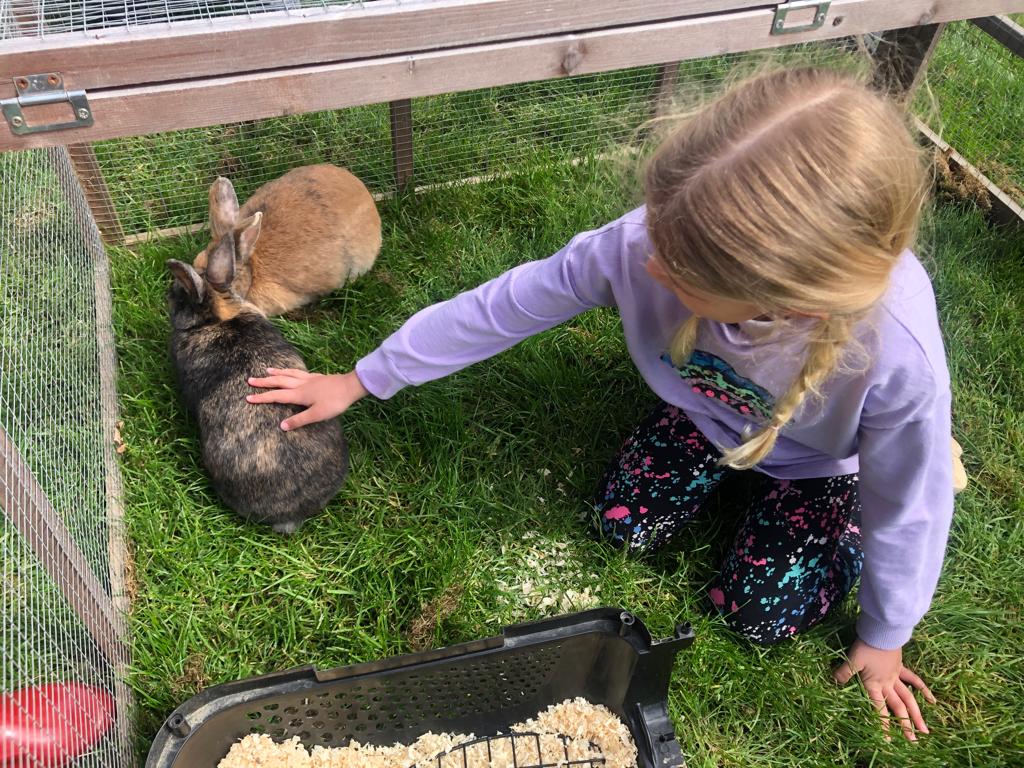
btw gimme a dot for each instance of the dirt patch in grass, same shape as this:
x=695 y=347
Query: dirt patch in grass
x=433 y=612
x=193 y=677
x=954 y=184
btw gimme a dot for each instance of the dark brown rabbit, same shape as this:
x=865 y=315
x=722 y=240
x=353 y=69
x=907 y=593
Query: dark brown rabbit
x=298 y=237
x=218 y=340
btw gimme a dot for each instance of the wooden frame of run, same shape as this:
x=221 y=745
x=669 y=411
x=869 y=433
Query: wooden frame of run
x=191 y=74
x=186 y=75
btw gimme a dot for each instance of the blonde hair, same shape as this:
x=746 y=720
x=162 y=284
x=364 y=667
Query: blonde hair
x=795 y=191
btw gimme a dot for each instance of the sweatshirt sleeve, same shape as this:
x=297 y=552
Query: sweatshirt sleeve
x=482 y=322
x=906 y=485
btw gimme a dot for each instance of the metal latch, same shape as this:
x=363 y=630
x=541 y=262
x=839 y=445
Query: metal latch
x=779 y=22
x=39 y=90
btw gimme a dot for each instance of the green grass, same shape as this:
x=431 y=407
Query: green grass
x=977 y=86
x=463 y=490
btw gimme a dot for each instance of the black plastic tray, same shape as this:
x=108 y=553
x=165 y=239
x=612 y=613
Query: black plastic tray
x=605 y=655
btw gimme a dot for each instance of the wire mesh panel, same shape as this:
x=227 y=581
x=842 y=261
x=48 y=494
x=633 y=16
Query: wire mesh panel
x=60 y=643
x=38 y=18
x=976 y=102
x=161 y=181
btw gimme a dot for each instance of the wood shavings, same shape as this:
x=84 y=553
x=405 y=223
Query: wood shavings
x=575 y=728
x=542 y=575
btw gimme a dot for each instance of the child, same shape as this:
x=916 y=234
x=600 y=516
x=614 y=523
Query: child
x=768 y=298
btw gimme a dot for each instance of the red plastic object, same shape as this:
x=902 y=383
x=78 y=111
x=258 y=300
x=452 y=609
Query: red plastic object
x=51 y=725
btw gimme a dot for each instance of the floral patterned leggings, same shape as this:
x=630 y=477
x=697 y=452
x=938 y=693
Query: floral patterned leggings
x=796 y=554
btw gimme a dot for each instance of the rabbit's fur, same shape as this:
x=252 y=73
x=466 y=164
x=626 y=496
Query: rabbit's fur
x=298 y=237
x=218 y=340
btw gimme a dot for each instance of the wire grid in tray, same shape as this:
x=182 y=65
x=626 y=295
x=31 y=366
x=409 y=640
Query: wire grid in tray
x=524 y=747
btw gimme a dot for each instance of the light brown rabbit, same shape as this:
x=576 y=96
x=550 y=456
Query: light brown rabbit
x=297 y=238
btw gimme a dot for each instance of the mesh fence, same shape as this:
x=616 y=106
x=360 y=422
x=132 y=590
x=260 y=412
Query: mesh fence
x=161 y=181
x=976 y=101
x=59 y=638
x=39 y=18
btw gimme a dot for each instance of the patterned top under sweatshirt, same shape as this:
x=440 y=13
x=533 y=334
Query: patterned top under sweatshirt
x=888 y=419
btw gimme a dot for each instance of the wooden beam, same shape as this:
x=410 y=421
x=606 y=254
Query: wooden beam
x=152 y=235
x=901 y=59
x=401 y=142
x=90 y=176
x=117 y=535
x=153 y=108
x=1004 y=209
x=182 y=50
x=1005 y=31
x=43 y=530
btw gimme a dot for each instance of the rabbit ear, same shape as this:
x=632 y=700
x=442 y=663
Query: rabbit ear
x=223 y=207
x=248 y=233
x=189 y=279
x=220 y=264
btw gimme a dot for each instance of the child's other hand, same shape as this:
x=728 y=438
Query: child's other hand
x=886 y=680
x=325 y=396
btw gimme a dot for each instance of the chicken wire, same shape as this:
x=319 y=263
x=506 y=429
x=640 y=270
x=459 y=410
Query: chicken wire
x=975 y=100
x=40 y=18
x=160 y=181
x=57 y=550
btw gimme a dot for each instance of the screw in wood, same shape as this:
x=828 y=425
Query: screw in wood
x=17 y=121
x=83 y=114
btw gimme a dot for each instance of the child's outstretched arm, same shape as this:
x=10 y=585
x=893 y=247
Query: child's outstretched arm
x=473 y=326
x=906 y=484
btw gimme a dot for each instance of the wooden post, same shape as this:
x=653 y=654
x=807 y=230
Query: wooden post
x=401 y=142
x=117 y=548
x=90 y=176
x=665 y=87
x=902 y=58
x=118 y=604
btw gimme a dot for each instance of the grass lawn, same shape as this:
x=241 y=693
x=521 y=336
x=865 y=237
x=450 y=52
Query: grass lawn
x=975 y=97
x=462 y=509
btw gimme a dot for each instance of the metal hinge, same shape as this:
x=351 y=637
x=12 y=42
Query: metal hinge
x=779 y=22
x=39 y=90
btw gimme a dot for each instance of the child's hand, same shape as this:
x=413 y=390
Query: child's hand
x=326 y=396
x=885 y=679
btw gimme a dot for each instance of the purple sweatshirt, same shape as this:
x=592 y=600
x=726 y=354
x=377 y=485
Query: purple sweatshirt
x=888 y=418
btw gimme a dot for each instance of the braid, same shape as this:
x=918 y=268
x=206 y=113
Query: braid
x=796 y=192
x=684 y=341
x=823 y=352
